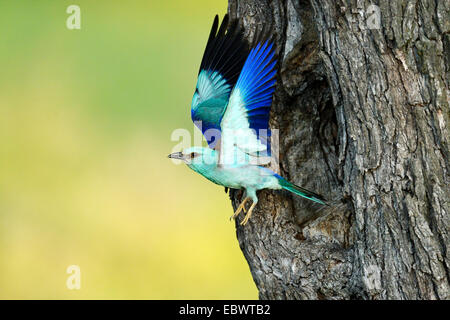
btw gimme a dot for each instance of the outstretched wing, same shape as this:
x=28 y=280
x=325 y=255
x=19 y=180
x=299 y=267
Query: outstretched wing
x=245 y=123
x=221 y=65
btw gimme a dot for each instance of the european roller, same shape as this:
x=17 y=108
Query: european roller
x=231 y=106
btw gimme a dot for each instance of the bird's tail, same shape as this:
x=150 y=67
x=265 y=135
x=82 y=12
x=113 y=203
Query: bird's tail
x=302 y=192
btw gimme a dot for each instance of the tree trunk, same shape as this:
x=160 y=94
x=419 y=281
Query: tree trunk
x=362 y=106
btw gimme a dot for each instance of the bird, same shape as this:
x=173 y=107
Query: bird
x=231 y=106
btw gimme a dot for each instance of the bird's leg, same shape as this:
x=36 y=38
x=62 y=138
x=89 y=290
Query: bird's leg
x=249 y=214
x=241 y=207
x=245 y=201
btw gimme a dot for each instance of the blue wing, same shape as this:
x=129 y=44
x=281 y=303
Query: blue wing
x=221 y=65
x=245 y=123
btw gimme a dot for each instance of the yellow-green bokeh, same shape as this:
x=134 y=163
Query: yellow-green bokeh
x=86 y=118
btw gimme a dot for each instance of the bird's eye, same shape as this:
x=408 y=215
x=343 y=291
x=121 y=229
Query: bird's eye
x=193 y=154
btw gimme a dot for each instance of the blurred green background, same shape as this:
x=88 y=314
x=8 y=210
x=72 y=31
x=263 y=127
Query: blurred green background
x=86 y=118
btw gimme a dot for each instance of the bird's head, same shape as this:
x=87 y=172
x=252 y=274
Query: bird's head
x=197 y=158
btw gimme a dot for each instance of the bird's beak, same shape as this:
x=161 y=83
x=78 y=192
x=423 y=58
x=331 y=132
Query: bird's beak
x=177 y=155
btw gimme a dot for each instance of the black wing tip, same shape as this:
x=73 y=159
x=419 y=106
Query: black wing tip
x=226 y=49
x=225 y=19
x=266 y=35
x=263 y=35
x=215 y=22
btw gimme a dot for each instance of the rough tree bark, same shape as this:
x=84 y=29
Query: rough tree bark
x=363 y=117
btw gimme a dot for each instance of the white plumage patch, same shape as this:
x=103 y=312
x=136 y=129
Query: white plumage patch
x=239 y=141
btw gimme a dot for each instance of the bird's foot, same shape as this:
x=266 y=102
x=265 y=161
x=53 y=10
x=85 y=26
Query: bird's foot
x=239 y=209
x=248 y=215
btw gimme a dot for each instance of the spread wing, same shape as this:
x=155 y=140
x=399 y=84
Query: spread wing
x=245 y=123
x=221 y=65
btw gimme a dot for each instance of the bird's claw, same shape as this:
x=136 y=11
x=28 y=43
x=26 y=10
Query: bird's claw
x=248 y=215
x=239 y=209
